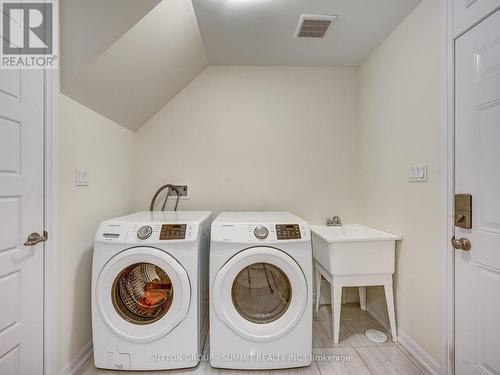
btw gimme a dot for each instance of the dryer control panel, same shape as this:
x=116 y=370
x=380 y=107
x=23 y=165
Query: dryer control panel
x=260 y=232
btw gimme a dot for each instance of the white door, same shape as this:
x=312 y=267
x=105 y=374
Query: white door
x=21 y=213
x=477 y=158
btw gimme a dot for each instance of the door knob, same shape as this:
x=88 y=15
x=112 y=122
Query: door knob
x=461 y=244
x=35 y=238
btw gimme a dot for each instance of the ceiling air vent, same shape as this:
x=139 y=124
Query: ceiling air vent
x=313 y=25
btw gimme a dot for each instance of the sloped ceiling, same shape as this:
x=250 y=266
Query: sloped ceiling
x=125 y=59
x=90 y=27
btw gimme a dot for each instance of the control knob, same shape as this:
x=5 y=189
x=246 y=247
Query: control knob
x=261 y=232
x=144 y=232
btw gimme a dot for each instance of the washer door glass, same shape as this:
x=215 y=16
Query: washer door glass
x=261 y=293
x=142 y=293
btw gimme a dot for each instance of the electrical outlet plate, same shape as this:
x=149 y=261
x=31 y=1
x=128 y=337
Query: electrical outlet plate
x=183 y=190
x=418 y=173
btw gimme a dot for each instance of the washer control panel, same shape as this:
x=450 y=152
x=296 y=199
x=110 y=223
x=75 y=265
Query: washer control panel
x=173 y=232
x=288 y=232
x=146 y=232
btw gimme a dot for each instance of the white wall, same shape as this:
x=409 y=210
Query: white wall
x=399 y=126
x=107 y=150
x=257 y=138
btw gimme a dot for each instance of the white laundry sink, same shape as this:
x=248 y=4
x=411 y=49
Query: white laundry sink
x=353 y=249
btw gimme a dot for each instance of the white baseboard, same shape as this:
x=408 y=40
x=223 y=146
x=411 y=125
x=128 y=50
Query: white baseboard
x=77 y=363
x=424 y=359
x=429 y=364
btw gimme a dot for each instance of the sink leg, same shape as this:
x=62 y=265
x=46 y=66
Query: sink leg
x=362 y=297
x=336 y=293
x=390 y=309
x=317 y=275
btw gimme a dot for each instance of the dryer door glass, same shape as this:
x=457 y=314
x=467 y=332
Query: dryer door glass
x=142 y=293
x=261 y=293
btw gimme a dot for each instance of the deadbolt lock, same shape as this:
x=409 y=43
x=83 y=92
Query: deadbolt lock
x=463 y=211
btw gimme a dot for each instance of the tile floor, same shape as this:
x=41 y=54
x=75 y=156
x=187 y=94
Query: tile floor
x=363 y=356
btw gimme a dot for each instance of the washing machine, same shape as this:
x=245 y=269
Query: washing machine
x=149 y=290
x=260 y=291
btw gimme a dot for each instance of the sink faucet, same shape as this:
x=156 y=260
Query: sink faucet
x=335 y=221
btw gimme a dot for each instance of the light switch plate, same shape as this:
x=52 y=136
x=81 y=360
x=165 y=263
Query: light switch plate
x=418 y=173
x=82 y=177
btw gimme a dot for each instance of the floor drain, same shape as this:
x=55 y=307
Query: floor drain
x=376 y=336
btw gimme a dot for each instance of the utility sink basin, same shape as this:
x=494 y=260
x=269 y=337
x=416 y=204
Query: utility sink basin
x=353 y=249
x=354 y=256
